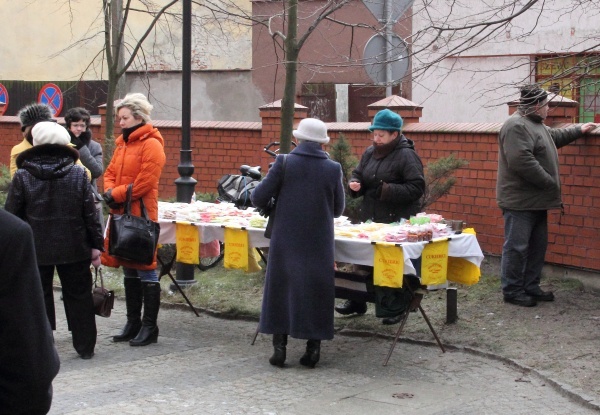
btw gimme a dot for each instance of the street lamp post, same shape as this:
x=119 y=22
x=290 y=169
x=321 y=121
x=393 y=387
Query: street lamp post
x=186 y=183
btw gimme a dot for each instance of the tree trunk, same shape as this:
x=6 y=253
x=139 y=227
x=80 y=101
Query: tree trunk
x=291 y=68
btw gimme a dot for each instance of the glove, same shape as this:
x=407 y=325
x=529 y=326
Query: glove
x=108 y=199
x=77 y=142
x=266 y=211
x=95 y=258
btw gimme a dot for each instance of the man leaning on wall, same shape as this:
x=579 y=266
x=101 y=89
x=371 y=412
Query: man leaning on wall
x=528 y=186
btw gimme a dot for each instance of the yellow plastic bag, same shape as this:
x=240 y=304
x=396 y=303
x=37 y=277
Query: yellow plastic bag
x=236 y=249
x=462 y=271
x=434 y=263
x=187 y=239
x=388 y=265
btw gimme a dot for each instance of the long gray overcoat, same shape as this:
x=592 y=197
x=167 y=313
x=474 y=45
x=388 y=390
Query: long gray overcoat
x=299 y=291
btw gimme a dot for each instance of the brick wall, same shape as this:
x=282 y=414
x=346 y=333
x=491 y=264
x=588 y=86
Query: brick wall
x=219 y=148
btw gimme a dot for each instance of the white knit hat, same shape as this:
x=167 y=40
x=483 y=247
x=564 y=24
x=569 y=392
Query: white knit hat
x=49 y=132
x=311 y=129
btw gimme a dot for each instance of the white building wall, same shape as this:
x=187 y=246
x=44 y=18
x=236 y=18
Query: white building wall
x=474 y=85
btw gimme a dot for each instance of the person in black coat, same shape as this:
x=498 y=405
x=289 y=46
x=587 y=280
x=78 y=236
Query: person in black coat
x=28 y=359
x=391 y=181
x=299 y=291
x=53 y=194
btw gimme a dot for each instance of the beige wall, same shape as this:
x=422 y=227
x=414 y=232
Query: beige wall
x=37 y=34
x=479 y=81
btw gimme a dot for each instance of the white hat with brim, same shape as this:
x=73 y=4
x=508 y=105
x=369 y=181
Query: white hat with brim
x=311 y=129
x=49 y=132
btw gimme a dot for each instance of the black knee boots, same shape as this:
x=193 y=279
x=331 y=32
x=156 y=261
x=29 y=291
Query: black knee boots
x=279 y=343
x=149 y=331
x=133 y=303
x=312 y=354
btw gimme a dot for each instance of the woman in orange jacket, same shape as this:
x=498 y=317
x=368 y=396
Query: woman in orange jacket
x=138 y=158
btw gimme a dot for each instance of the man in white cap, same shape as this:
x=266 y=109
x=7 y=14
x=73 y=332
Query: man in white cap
x=48 y=184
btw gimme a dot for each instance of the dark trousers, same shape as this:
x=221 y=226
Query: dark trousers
x=524 y=250
x=76 y=281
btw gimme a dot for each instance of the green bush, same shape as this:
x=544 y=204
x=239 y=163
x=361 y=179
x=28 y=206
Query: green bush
x=341 y=151
x=4 y=183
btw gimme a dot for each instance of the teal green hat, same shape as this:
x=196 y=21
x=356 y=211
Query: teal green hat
x=387 y=120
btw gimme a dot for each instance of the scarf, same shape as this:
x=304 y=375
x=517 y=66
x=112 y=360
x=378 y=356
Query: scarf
x=383 y=150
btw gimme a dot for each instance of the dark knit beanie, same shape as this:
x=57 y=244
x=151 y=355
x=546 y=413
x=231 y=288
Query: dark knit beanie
x=31 y=114
x=532 y=94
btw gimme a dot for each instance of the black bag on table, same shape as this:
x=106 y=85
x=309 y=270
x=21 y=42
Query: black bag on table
x=133 y=238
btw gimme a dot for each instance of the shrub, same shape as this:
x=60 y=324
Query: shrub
x=4 y=183
x=341 y=151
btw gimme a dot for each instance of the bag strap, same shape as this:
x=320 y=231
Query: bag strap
x=144 y=213
x=99 y=272
x=282 y=175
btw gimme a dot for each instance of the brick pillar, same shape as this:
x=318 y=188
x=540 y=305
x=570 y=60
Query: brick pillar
x=561 y=110
x=408 y=110
x=271 y=119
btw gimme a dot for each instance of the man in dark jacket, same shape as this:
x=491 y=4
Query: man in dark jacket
x=28 y=359
x=391 y=181
x=51 y=193
x=528 y=185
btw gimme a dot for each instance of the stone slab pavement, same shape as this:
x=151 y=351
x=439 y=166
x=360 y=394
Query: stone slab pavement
x=206 y=365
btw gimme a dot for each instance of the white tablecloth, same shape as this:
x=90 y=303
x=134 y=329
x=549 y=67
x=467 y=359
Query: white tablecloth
x=354 y=251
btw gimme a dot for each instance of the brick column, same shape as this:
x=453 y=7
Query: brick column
x=561 y=110
x=408 y=110
x=271 y=119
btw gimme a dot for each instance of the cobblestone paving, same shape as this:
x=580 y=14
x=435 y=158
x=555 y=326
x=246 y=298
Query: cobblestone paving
x=204 y=365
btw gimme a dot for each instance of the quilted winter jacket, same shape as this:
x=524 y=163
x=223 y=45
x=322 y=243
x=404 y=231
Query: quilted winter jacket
x=402 y=170
x=528 y=176
x=51 y=193
x=140 y=161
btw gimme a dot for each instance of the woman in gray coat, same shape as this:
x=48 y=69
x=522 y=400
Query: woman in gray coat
x=77 y=121
x=299 y=289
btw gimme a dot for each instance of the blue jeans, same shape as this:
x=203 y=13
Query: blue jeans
x=145 y=276
x=524 y=250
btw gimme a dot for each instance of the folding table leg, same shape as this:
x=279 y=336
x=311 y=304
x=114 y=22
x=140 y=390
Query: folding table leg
x=396 y=337
x=165 y=269
x=432 y=329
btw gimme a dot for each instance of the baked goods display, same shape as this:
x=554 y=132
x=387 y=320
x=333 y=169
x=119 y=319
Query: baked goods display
x=422 y=227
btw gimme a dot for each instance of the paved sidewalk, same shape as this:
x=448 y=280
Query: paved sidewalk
x=205 y=365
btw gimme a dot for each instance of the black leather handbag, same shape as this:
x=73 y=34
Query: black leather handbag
x=104 y=299
x=133 y=238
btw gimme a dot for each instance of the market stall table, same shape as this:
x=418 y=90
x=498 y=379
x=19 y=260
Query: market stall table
x=354 y=250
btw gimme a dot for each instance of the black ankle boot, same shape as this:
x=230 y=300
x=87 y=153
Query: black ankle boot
x=279 y=343
x=351 y=307
x=149 y=331
x=312 y=354
x=133 y=303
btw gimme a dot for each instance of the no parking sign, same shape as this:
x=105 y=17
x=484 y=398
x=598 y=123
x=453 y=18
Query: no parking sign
x=3 y=99
x=51 y=95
